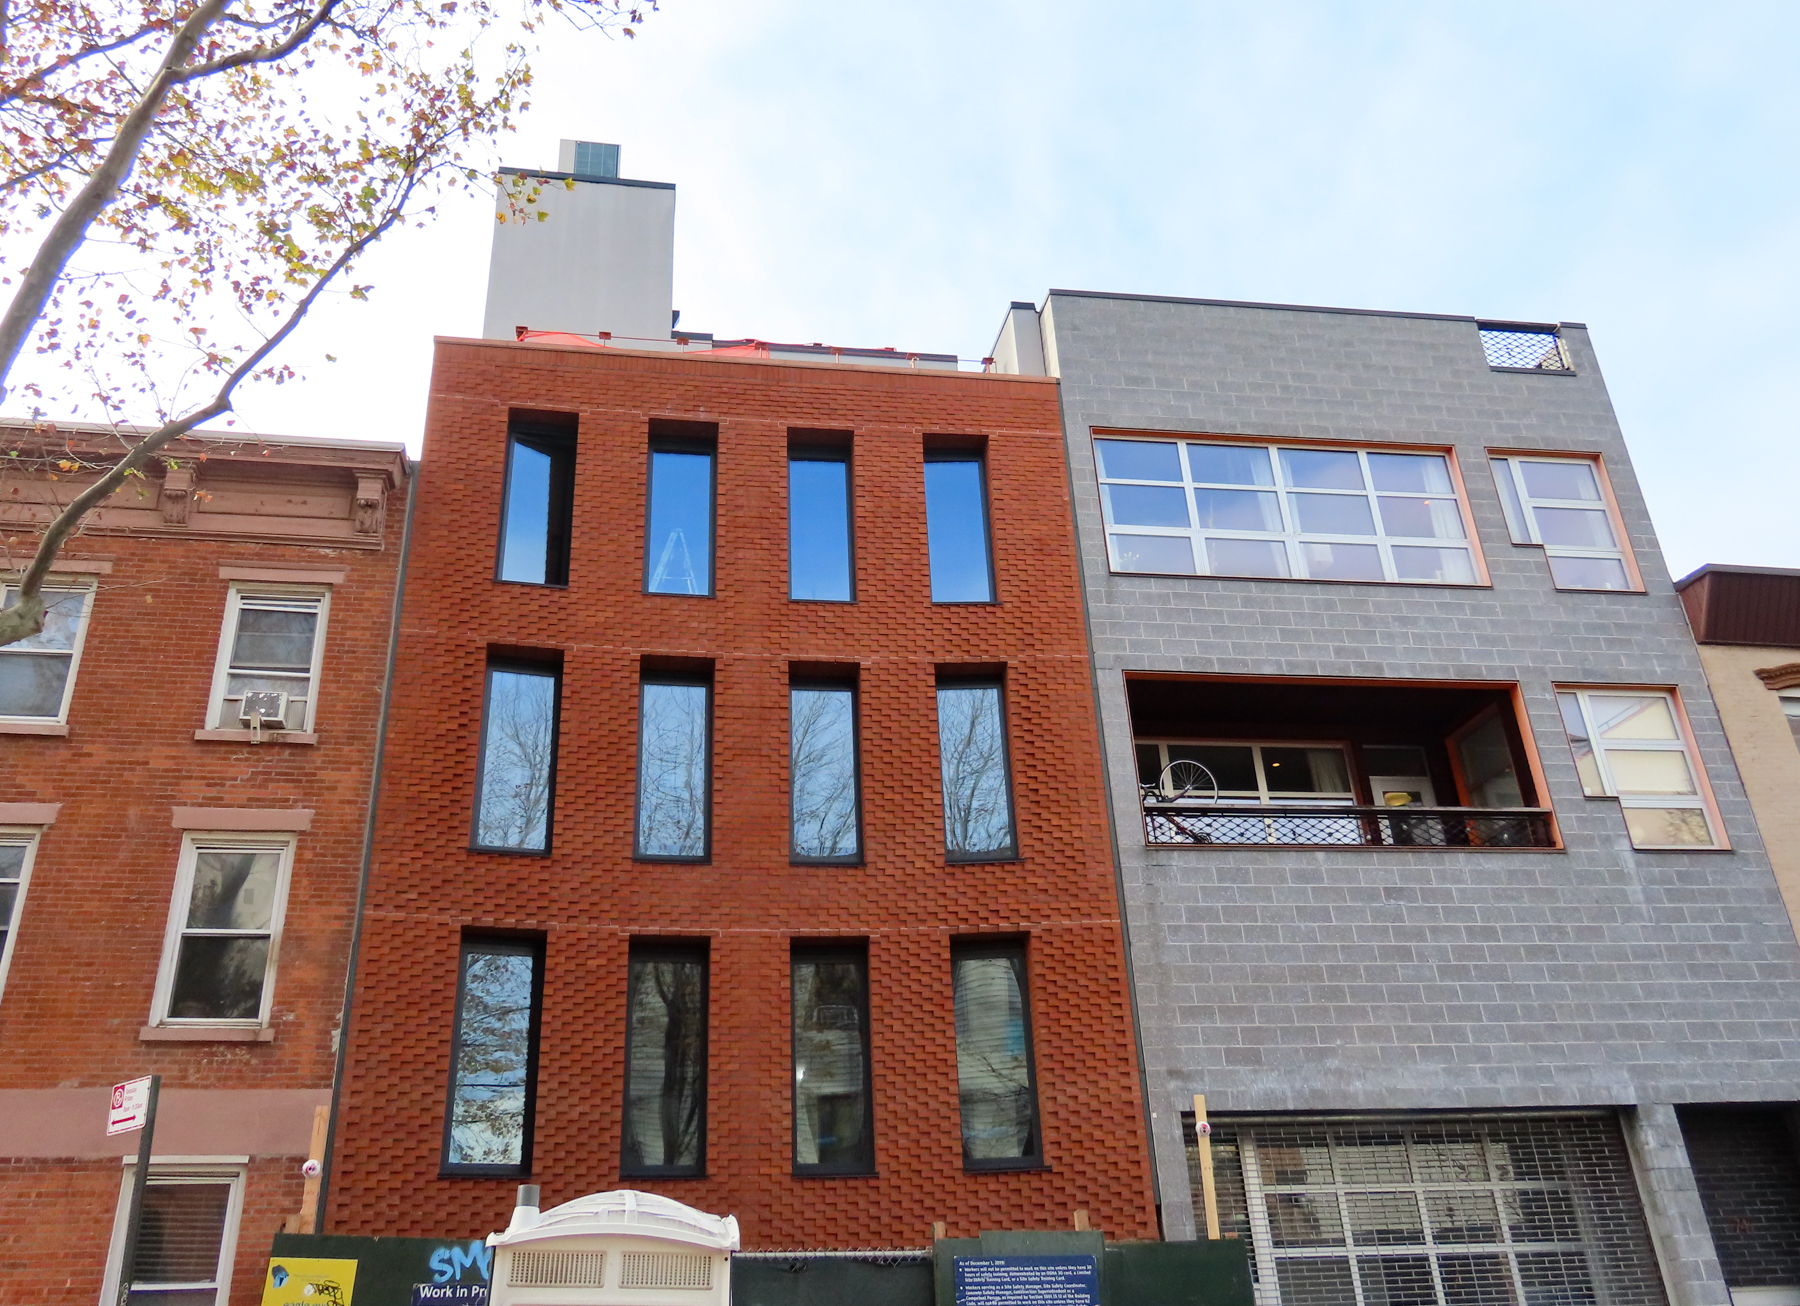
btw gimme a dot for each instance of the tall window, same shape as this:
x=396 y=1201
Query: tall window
x=678 y=548
x=995 y=1076
x=665 y=1061
x=187 y=1237
x=834 y=1115
x=819 y=557
x=269 y=656
x=1184 y=508
x=516 y=789
x=219 y=956
x=956 y=527
x=674 y=769
x=978 y=821
x=493 y=1057
x=16 y=850
x=540 y=501
x=822 y=766
x=1561 y=504
x=1631 y=745
x=37 y=675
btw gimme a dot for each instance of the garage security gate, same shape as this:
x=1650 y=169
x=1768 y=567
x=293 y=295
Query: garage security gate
x=1499 y=1210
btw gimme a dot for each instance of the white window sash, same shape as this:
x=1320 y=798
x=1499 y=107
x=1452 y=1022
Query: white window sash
x=1599 y=748
x=75 y=647
x=1263 y=794
x=200 y=1171
x=221 y=710
x=16 y=836
x=1521 y=508
x=192 y=845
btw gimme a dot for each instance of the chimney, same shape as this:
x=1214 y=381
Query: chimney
x=525 y=1214
x=601 y=259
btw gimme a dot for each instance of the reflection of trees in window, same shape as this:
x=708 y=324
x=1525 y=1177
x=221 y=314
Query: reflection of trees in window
x=831 y=1084
x=518 y=744
x=972 y=746
x=993 y=1058
x=823 y=735
x=665 y=1103
x=672 y=771
x=222 y=961
x=493 y=1057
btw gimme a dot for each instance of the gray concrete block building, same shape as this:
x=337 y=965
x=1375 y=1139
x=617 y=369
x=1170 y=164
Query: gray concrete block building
x=1442 y=887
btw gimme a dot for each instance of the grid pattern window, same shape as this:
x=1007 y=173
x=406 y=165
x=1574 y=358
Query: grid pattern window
x=674 y=801
x=823 y=774
x=1632 y=745
x=186 y=1240
x=996 y=1077
x=37 y=674
x=834 y=1112
x=538 y=507
x=516 y=789
x=820 y=567
x=17 y=850
x=1524 y=349
x=1562 y=505
x=665 y=1060
x=269 y=659
x=956 y=527
x=1186 y=508
x=977 y=780
x=678 y=542
x=493 y=1058
x=224 y=931
x=1433 y=1211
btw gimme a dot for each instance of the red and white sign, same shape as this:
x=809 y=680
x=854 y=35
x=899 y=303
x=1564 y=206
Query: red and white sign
x=130 y=1106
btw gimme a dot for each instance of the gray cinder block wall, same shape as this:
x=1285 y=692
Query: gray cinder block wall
x=1352 y=979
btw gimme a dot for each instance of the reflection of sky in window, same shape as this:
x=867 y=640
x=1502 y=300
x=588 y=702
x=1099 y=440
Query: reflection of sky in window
x=956 y=527
x=516 y=757
x=818 y=529
x=679 y=550
x=487 y=1124
x=525 y=551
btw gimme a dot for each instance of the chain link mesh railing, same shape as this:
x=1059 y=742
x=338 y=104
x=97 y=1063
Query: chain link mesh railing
x=1187 y=824
x=1537 y=351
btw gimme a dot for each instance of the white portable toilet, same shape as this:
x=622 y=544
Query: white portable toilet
x=622 y=1248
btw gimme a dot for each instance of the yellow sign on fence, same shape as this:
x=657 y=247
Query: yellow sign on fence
x=308 y=1281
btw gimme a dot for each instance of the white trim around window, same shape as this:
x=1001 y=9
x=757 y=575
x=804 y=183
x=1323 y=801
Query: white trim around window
x=29 y=667
x=268 y=652
x=1563 y=504
x=1634 y=745
x=18 y=849
x=199 y=1178
x=224 y=932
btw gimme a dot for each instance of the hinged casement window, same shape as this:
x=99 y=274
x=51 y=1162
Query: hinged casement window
x=37 y=674
x=1187 y=508
x=1565 y=505
x=267 y=675
x=493 y=1057
x=18 y=848
x=995 y=1072
x=665 y=1060
x=956 y=526
x=674 y=799
x=1634 y=745
x=187 y=1238
x=515 y=792
x=539 y=503
x=834 y=1102
x=219 y=955
x=823 y=775
x=976 y=772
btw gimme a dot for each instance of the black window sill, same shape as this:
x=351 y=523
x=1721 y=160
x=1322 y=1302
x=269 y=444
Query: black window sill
x=836 y=1174
x=1007 y=1167
x=826 y=861
x=965 y=603
x=1534 y=371
x=534 y=584
x=483 y=1172
x=830 y=603
x=982 y=859
x=658 y=860
x=670 y=594
x=659 y=1174
x=509 y=852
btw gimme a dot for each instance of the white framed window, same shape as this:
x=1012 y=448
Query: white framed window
x=273 y=643
x=218 y=965
x=1188 y=507
x=187 y=1238
x=1562 y=504
x=1290 y=774
x=1633 y=745
x=18 y=847
x=37 y=675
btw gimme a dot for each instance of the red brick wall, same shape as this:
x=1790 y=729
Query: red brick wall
x=589 y=898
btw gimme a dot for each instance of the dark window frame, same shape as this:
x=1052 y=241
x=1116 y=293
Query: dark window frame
x=1011 y=853
x=813 y=452
x=692 y=445
x=558 y=444
x=509 y=946
x=525 y=666
x=670 y=950
x=855 y=691
x=979 y=456
x=645 y=680
x=838 y=952
x=1017 y=951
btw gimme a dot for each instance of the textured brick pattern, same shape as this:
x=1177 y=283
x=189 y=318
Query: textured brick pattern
x=1747 y=1164
x=1387 y=979
x=589 y=898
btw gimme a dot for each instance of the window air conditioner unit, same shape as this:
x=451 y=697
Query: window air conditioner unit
x=263 y=709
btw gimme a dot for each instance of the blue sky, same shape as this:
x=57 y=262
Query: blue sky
x=894 y=175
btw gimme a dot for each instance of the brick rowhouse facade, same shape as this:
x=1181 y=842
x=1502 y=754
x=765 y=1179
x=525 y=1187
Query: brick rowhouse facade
x=110 y=799
x=588 y=900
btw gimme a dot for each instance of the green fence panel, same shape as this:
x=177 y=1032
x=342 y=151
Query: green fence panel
x=829 y=1281
x=1177 y=1274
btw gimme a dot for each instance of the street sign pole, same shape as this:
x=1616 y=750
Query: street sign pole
x=128 y=1262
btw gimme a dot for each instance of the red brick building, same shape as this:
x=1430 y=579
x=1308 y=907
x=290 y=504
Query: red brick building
x=178 y=885
x=741 y=733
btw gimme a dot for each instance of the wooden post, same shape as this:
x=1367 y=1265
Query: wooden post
x=938 y=1230
x=1203 y=1135
x=1081 y=1221
x=315 y=1152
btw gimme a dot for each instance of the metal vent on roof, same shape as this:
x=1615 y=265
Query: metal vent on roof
x=558 y=1270
x=665 y=1270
